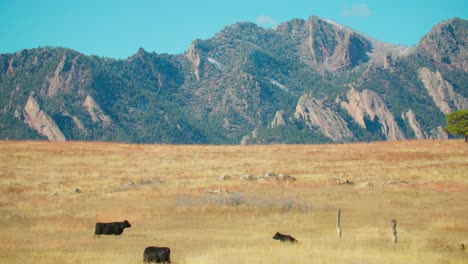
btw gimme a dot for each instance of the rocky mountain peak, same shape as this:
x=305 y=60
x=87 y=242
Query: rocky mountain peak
x=141 y=54
x=326 y=44
x=293 y=27
x=447 y=43
x=240 y=27
x=141 y=51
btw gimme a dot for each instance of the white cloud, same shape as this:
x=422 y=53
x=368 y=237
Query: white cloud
x=266 y=21
x=357 y=10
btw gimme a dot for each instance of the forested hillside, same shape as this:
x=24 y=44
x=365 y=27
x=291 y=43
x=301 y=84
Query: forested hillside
x=306 y=81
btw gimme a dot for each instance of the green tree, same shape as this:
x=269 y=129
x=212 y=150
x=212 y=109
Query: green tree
x=457 y=123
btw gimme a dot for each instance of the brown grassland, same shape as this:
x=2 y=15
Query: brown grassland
x=161 y=191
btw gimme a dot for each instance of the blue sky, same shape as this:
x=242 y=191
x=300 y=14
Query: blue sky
x=117 y=28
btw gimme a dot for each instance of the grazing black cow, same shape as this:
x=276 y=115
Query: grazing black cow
x=157 y=254
x=284 y=238
x=114 y=228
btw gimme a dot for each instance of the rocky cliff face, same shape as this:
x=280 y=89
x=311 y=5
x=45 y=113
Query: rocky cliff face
x=325 y=44
x=39 y=120
x=315 y=114
x=278 y=120
x=95 y=111
x=194 y=57
x=410 y=116
x=368 y=104
x=439 y=133
x=442 y=91
x=67 y=75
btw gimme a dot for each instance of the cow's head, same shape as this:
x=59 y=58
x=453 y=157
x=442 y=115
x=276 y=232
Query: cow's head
x=277 y=236
x=127 y=224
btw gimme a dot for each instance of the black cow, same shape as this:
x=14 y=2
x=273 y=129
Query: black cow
x=114 y=228
x=284 y=238
x=157 y=254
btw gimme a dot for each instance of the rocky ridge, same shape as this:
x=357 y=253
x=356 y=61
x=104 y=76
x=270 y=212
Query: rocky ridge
x=367 y=104
x=38 y=119
x=96 y=113
x=410 y=116
x=442 y=92
x=306 y=81
x=315 y=114
x=446 y=44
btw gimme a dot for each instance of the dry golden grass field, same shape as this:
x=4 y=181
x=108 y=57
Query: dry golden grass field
x=173 y=196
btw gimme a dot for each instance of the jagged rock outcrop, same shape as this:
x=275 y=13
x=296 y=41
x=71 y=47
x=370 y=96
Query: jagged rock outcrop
x=67 y=75
x=39 y=120
x=76 y=122
x=388 y=62
x=335 y=46
x=244 y=140
x=10 y=69
x=315 y=114
x=278 y=120
x=410 y=116
x=324 y=44
x=96 y=113
x=447 y=43
x=438 y=133
x=194 y=57
x=442 y=92
x=57 y=79
x=367 y=104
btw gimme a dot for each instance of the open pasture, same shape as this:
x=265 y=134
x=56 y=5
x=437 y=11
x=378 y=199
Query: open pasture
x=52 y=194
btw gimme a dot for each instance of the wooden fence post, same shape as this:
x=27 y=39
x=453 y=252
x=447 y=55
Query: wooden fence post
x=338 y=220
x=394 y=232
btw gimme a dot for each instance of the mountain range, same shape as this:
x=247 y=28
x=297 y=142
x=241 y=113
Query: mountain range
x=305 y=81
